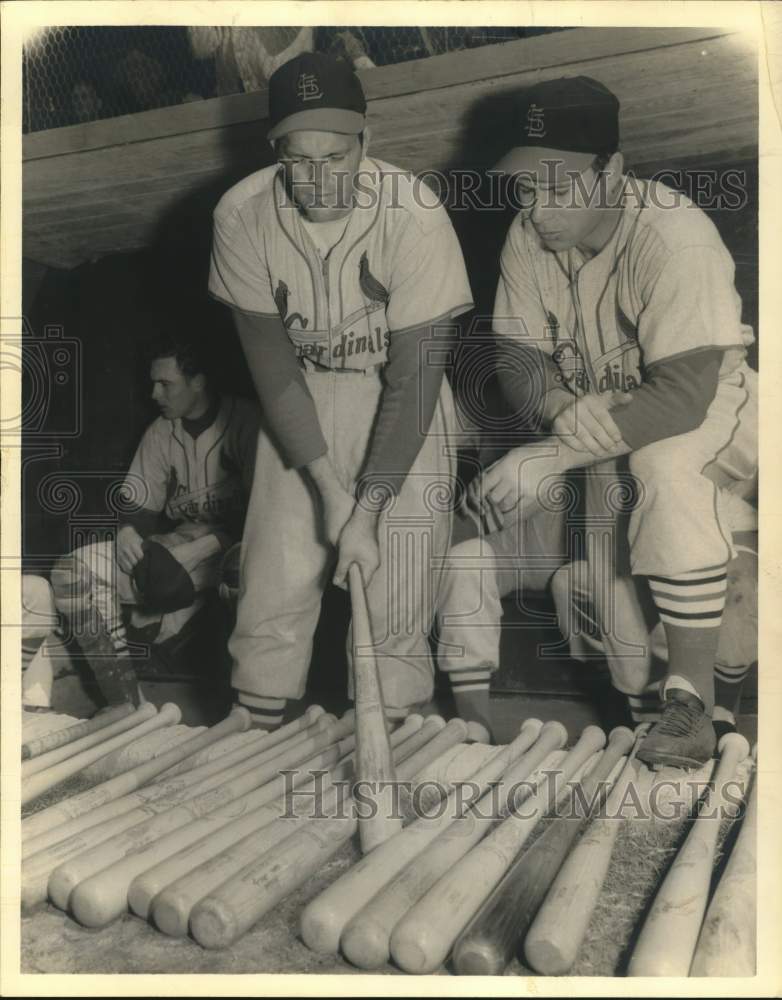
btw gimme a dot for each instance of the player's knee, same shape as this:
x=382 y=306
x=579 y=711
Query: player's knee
x=39 y=615
x=662 y=462
x=562 y=586
x=472 y=548
x=569 y=582
x=70 y=580
x=36 y=594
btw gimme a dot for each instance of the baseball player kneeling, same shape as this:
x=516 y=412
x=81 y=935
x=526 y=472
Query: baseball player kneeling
x=618 y=327
x=186 y=495
x=338 y=269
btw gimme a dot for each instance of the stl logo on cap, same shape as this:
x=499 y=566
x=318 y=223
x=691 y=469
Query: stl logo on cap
x=308 y=88
x=536 y=126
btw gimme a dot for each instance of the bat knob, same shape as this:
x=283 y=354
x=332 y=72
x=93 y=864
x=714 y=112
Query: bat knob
x=477 y=733
x=242 y=715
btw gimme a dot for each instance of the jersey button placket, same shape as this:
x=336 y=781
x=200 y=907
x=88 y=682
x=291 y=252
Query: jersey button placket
x=581 y=337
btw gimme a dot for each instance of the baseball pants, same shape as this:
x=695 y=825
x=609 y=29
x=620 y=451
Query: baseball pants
x=286 y=562
x=90 y=575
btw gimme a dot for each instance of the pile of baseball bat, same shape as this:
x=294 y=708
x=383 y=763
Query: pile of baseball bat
x=207 y=836
x=212 y=848
x=459 y=884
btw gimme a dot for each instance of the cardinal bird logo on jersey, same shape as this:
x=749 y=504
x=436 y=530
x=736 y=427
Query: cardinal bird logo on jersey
x=172 y=486
x=370 y=286
x=281 y=301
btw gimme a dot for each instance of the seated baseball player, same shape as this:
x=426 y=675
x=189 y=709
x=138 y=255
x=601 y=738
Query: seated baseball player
x=186 y=494
x=618 y=330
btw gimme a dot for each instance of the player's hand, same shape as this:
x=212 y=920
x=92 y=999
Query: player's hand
x=358 y=544
x=586 y=424
x=491 y=517
x=338 y=505
x=129 y=548
x=515 y=477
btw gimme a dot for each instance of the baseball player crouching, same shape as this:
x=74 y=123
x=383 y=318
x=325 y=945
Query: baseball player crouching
x=186 y=495
x=618 y=327
x=338 y=269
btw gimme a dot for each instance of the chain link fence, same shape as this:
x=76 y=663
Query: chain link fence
x=80 y=74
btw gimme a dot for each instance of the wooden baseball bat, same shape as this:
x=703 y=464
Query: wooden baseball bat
x=477 y=733
x=324 y=919
x=374 y=763
x=727 y=945
x=237 y=721
x=226 y=913
x=366 y=939
x=185 y=878
x=95 y=883
x=37 y=869
x=429 y=727
x=468 y=884
x=153 y=747
x=96 y=737
x=139 y=752
x=235 y=905
x=667 y=941
x=59 y=737
x=294 y=729
x=153 y=818
x=118 y=819
x=110 y=889
x=133 y=788
x=405 y=734
x=35 y=786
x=556 y=934
x=410 y=802
x=443 y=739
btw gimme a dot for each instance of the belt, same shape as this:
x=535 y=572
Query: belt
x=315 y=369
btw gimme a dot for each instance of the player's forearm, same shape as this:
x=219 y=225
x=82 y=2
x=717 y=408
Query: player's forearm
x=324 y=475
x=673 y=401
x=287 y=405
x=146 y=522
x=569 y=458
x=407 y=406
x=530 y=382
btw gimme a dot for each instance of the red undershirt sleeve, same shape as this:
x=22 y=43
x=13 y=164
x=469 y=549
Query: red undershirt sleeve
x=288 y=407
x=411 y=389
x=530 y=382
x=673 y=400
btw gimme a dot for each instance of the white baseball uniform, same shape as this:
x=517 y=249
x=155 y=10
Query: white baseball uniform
x=397 y=267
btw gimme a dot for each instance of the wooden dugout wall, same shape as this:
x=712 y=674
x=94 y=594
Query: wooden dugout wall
x=687 y=95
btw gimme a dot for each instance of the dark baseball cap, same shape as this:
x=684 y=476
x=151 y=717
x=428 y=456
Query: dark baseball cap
x=315 y=91
x=569 y=120
x=164 y=585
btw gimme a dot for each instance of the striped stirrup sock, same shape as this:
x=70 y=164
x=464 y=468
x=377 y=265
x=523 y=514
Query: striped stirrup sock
x=471 y=694
x=690 y=607
x=266 y=713
x=691 y=600
x=728 y=682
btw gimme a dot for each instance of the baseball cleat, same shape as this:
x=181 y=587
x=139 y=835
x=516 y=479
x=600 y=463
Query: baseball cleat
x=684 y=736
